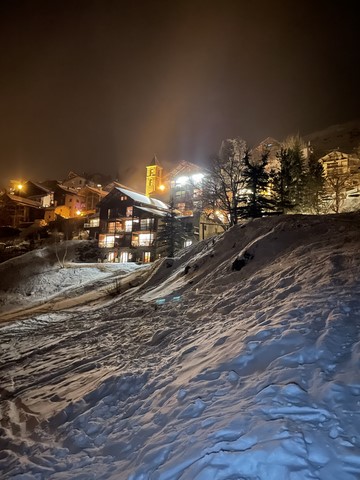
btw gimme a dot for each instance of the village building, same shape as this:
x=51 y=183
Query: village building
x=19 y=212
x=129 y=223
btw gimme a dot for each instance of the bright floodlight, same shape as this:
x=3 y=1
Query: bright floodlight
x=182 y=180
x=197 y=177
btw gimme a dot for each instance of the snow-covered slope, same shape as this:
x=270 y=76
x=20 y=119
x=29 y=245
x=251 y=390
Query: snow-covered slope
x=50 y=272
x=238 y=360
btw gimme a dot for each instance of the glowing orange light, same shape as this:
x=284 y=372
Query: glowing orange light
x=78 y=212
x=20 y=186
x=162 y=187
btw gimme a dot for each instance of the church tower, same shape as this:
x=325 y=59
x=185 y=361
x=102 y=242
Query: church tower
x=153 y=177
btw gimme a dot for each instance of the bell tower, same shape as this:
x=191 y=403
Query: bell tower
x=153 y=177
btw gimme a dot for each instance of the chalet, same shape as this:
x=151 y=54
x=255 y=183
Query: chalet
x=128 y=225
x=74 y=181
x=33 y=191
x=68 y=202
x=18 y=211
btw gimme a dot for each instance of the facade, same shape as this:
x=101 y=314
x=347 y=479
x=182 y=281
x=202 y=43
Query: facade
x=74 y=180
x=68 y=202
x=342 y=171
x=91 y=196
x=129 y=223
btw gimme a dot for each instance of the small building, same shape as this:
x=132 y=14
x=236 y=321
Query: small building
x=129 y=223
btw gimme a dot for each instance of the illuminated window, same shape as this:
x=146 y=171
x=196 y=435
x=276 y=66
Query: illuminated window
x=142 y=240
x=128 y=225
x=106 y=241
x=124 y=257
x=145 y=239
x=94 y=222
x=111 y=257
x=114 y=227
x=147 y=257
x=129 y=211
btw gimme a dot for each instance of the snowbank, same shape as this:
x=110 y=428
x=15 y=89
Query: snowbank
x=46 y=273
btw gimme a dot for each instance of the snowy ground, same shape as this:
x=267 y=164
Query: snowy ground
x=213 y=374
x=48 y=273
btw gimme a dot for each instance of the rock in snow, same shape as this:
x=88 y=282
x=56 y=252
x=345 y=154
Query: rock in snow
x=219 y=374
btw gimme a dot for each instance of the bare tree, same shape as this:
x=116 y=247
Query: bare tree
x=224 y=181
x=336 y=183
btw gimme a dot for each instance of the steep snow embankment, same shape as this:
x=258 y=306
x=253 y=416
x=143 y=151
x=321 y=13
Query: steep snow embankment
x=204 y=372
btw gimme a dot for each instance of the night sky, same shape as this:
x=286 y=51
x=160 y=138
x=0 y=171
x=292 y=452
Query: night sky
x=100 y=86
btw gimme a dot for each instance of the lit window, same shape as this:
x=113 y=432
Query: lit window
x=129 y=211
x=147 y=257
x=124 y=257
x=128 y=225
x=94 y=222
x=111 y=227
x=114 y=227
x=145 y=239
x=111 y=257
x=142 y=240
x=106 y=241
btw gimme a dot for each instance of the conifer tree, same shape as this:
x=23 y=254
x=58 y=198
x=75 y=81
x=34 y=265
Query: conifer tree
x=171 y=233
x=256 y=180
x=314 y=186
x=281 y=182
x=289 y=181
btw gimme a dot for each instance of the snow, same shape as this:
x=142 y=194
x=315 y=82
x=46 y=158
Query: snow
x=196 y=370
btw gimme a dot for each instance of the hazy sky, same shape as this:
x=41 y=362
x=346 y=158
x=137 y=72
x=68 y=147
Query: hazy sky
x=100 y=86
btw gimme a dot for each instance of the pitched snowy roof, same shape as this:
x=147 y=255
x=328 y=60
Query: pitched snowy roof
x=46 y=190
x=184 y=168
x=141 y=198
x=153 y=211
x=23 y=201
